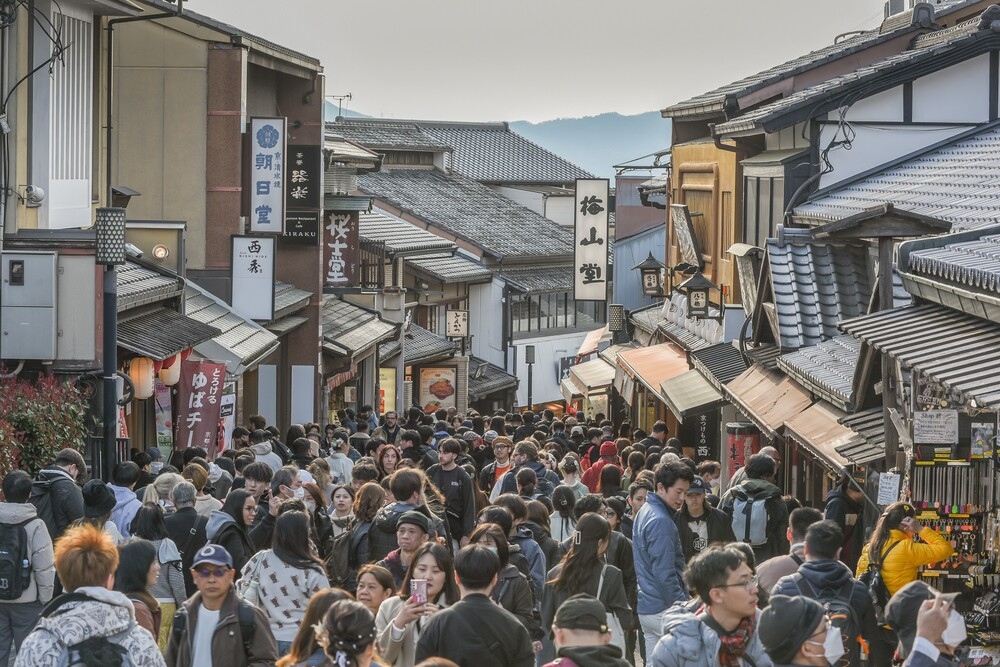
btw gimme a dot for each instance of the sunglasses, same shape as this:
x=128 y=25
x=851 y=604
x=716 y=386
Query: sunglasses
x=218 y=572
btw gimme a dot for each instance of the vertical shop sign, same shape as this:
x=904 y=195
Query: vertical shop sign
x=305 y=177
x=267 y=175
x=199 y=404
x=252 y=265
x=340 y=248
x=590 y=247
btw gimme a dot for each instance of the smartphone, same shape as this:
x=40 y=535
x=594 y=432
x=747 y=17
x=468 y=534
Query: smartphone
x=418 y=589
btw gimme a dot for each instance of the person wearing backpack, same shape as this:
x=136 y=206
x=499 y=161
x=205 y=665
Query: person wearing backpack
x=895 y=556
x=214 y=627
x=23 y=539
x=56 y=492
x=91 y=619
x=828 y=581
x=757 y=513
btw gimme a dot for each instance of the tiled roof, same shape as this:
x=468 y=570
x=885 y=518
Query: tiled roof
x=340 y=149
x=815 y=286
x=400 y=237
x=493 y=153
x=247 y=341
x=958 y=181
x=974 y=264
x=870 y=444
x=719 y=363
x=138 y=285
x=288 y=299
x=162 y=333
x=420 y=345
x=716 y=100
x=450 y=268
x=349 y=329
x=486 y=379
x=471 y=211
x=827 y=369
x=936 y=50
x=381 y=135
x=539 y=280
x=648 y=319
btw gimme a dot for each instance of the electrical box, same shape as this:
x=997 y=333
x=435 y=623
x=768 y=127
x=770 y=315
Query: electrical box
x=28 y=305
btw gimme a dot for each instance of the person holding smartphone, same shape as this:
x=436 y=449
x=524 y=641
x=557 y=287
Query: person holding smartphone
x=429 y=586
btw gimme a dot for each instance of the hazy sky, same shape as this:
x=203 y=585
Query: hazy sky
x=538 y=59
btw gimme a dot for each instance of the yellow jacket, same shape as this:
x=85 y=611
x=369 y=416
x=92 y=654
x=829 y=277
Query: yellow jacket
x=900 y=566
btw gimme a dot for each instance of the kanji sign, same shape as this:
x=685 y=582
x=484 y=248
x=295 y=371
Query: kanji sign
x=253 y=276
x=267 y=175
x=456 y=323
x=305 y=177
x=340 y=249
x=199 y=401
x=590 y=271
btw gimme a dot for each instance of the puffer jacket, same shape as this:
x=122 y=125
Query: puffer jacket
x=90 y=611
x=43 y=571
x=687 y=642
x=227 y=640
x=658 y=556
x=900 y=566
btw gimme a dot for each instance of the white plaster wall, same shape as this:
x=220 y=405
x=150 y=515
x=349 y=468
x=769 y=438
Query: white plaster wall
x=957 y=94
x=486 y=321
x=545 y=374
x=561 y=210
x=526 y=198
x=885 y=106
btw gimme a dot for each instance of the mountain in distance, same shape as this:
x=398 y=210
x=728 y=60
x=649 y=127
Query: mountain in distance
x=595 y=143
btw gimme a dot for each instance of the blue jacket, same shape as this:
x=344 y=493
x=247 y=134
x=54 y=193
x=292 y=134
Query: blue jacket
x=533 y=553
x=658 y=556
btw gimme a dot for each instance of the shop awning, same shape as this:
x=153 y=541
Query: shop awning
x=162 y=333
x=594 y=374
x=486 y=379
x=958 y=351
x=720 y=363
x=768 y=397
x=690 y=394
x=240 y=344
x=870 y=444
x=139 y=285
x=592 y=342
x=652 y=365
x=350 y=330
x=818 y=429
x=571 y=389
x=450 y=269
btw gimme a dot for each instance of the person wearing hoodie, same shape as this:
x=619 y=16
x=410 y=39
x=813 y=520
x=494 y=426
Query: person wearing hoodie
x=260 y=445
x=845 y=504
x=822 y=577
x=608 y=455
x=86 y=559
x=56 y=493
x=229 y=526
x=581 y=635
x=18 y=616
x=724 y=631
x=526 y=456
x=123 y=479
x=759 y=483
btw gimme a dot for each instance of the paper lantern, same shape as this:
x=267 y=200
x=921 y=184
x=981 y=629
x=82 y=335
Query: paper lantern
x=186 y=353
x=140 y=371
x=170 y=374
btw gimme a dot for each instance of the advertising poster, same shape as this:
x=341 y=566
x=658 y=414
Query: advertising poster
x=164 y=419
x=437 y=388
x=386 y=390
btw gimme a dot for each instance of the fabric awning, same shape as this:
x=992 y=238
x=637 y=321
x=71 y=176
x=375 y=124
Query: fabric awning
x=690 y=394
x=594 y=374
x=592 y=342
x=162 y=333
x=241 y=344
x=818 y=429
x=768 y=398
x=571 y=389
x=652 y=365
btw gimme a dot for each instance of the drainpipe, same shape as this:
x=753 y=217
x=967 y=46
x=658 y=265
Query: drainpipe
x=718 y=141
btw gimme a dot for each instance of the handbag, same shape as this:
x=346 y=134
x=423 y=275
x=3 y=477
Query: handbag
x=614 y=625
x=248 y=588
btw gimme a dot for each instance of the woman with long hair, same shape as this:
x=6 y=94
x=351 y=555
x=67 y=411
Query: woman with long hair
x=320 y=470
x=168 y=590
x=402 y=618
x=347 y=635
x=138 y=570
x=610 y=482
x=898 y=556
x=583 y=571
x=230 y=526
x=367 y=502
x=482 y=500
x=386 y=459
x=527 y=483
x=287 y=574
x=319 y=519
x=562 y=521
x=306 y=651
x=375 y=585
x=512 y=591
x=538 y=524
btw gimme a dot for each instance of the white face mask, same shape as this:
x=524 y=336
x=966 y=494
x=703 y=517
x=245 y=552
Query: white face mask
x=299 y=493
x=955 y=633
x=155 y=467
x=833 y=645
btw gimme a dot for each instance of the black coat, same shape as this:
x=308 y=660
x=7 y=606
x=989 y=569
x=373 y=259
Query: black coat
x=475 y=631
x=235 y=540
x=720 y=529
x=187 y=529
x=57 y=498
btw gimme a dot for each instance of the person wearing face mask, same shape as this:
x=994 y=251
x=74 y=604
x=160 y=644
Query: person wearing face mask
x=796 y=631
x=934 y=645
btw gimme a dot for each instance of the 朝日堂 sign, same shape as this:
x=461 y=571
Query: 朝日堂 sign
x=456 y=323
x=267 y=175
x=253 y=276
x=590 y=247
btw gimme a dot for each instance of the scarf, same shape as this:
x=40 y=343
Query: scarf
x=733 y=645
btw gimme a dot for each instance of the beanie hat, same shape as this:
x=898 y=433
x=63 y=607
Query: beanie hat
x=901 y=611
x=418 y=519
x=97 y=499
x=609 y=448
x=786 y=624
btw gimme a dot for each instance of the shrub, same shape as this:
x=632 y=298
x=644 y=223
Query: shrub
x=37 y=419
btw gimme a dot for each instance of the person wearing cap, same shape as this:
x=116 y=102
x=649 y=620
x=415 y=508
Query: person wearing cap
x=502 y=447
x=795 y=631
x=724 y=632
x=577 y=435
x=845 y=504
x=582 y=636
x=699 y=523
x=413 y=528
x=210 y=628
x=935 y=646
x=609 y=454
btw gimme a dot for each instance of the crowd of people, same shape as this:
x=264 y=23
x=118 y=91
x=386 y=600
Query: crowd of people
x=511 y=540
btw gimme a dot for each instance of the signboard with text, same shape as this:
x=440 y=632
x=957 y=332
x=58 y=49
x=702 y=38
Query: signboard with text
x=253 y=259
x=590 y=269
x=305 y=177
x=301 y=228
x=456 y=323
x=199 y=401
x=267 y=175
x=340 y=249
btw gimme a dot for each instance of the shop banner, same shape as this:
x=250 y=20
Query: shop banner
x=164 y=419
x=253 y=261
x=590 y=270
x=305 y=177
x=340 y=249
x=199 y=404
x=267 y=175
x=386 y=390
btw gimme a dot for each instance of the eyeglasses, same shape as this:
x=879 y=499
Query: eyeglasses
x=748 y=584
x=501 y=447
x=218 y=572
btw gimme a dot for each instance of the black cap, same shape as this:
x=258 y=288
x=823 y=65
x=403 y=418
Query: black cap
x=582 y=612
x=418 y=519
x=698 y=485
x=901 y=611
x=786 y=624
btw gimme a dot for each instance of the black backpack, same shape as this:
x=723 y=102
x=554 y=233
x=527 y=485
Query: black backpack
x=839 y=611
x=15 y=559
x=338 y=564
x=244 y=611
x=872 y=580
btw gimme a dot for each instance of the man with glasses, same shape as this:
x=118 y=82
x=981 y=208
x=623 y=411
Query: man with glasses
x=725 y=632
x=526 y=456
x=215 y=627
x=389 y=432
x=502 y=463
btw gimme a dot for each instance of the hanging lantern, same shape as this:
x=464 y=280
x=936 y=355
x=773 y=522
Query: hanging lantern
x=186 y=353
x=140 y=371
x=157 y=365
x=170 y=374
